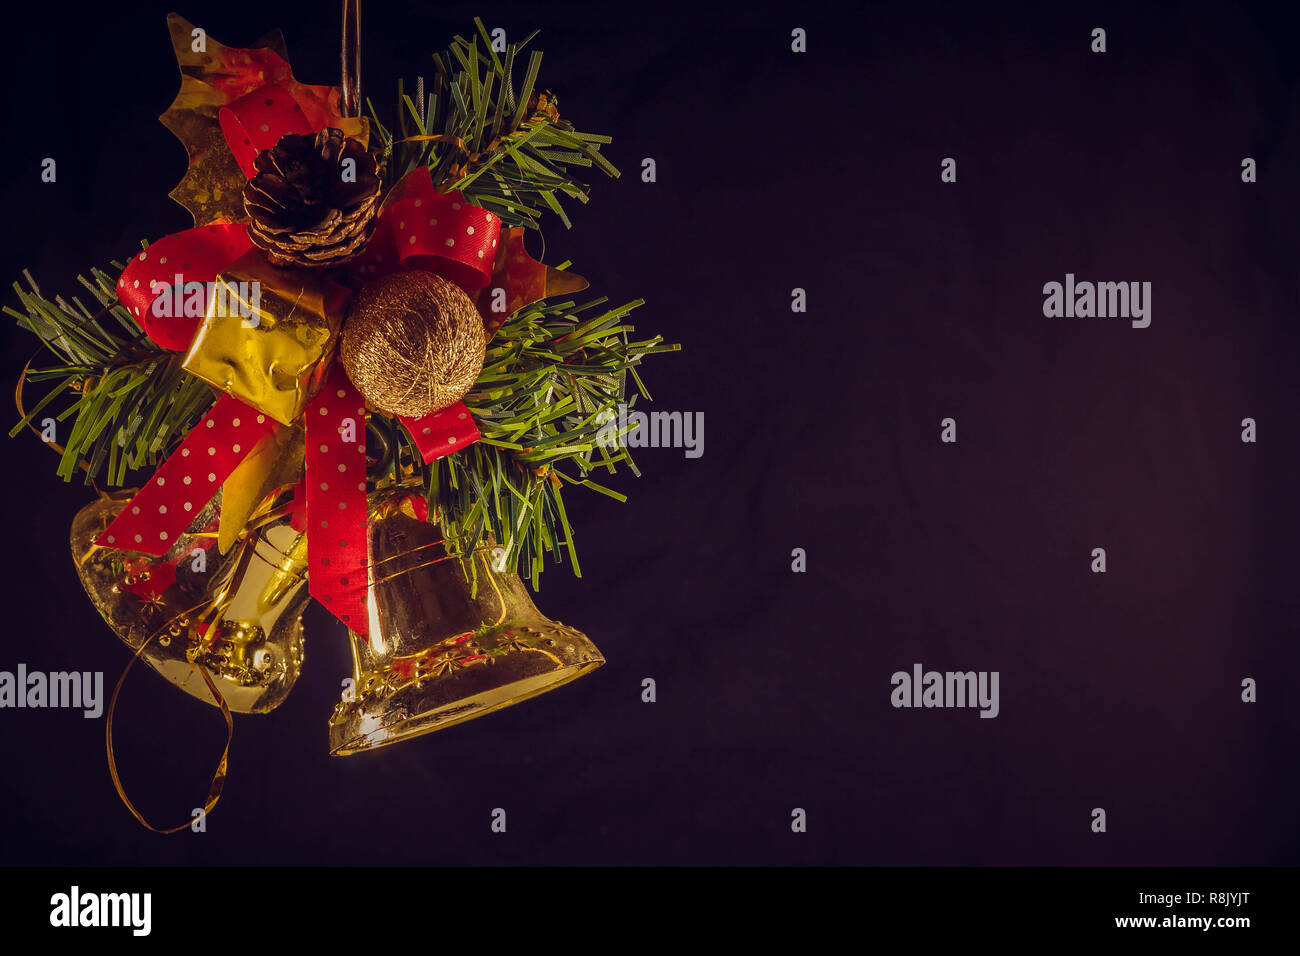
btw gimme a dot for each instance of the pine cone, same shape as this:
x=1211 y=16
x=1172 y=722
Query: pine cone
x=302 y=211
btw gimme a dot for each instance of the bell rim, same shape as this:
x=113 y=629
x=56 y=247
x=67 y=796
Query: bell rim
x=345 y=733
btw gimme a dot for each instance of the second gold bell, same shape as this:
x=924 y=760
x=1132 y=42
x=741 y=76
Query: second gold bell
x=450 y=639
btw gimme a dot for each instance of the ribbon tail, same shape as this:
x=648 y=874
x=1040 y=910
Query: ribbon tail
x=177 y=270
x=439 y=434
x=336 y=501
x=257 y=121
x=186 y=481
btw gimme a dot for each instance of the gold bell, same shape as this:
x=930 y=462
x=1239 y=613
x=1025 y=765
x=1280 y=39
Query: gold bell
x=238 y=614
x=441 y=651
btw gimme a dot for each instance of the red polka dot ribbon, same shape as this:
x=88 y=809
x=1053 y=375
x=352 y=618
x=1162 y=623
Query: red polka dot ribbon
x=257 y=121
x=185 y=482
x=336 y=501
x=446 y=235
x=442 y=233
x=440 y=434
x=157 y=286
x=151 y=577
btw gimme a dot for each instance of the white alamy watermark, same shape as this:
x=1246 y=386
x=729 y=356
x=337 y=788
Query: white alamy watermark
x=79 y=691
x=923 y=688
x=1102 y=300
x=74 y=908
x=183 y=299
x=633 y=429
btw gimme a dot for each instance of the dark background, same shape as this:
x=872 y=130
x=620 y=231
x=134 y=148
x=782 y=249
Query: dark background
x=778 y=170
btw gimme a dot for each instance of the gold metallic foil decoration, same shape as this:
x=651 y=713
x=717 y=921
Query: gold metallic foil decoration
x=524 y=279
x=413 y=343
x=439 y=652
x=268 y=335
x=238 y=615
x=212 y=76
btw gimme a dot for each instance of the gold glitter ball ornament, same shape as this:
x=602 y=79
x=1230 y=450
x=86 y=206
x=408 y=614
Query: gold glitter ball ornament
x=413 y=343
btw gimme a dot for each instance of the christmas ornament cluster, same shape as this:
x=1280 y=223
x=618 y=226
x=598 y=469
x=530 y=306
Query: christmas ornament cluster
x=378 y=402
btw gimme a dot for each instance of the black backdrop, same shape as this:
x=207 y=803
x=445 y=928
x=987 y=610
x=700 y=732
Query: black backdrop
x=776 y=171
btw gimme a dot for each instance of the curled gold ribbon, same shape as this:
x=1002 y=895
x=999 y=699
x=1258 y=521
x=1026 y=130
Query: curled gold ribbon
x=207 y=613
x=218 y=776
x=22 y=412
x=22 y=415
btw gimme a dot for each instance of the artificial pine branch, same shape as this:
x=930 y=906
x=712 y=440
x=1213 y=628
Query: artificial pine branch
x=506 y=149
x=554 y=376
x=128 y=399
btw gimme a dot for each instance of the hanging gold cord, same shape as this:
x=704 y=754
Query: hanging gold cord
x=350 y=58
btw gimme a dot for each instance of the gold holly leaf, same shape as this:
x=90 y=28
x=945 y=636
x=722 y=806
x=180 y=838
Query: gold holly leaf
x=213 y=76
x=212 y=186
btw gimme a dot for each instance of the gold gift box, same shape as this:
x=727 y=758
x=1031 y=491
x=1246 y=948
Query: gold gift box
x=268 y=335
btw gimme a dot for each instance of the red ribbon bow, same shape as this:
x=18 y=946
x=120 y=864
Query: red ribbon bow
x=420 y=229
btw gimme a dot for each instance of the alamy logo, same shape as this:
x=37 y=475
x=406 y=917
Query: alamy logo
x=195 y=299
x=102 y=909
x=84 y=691
x=1084 y=300
x=947 y=689
x=654 y=430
